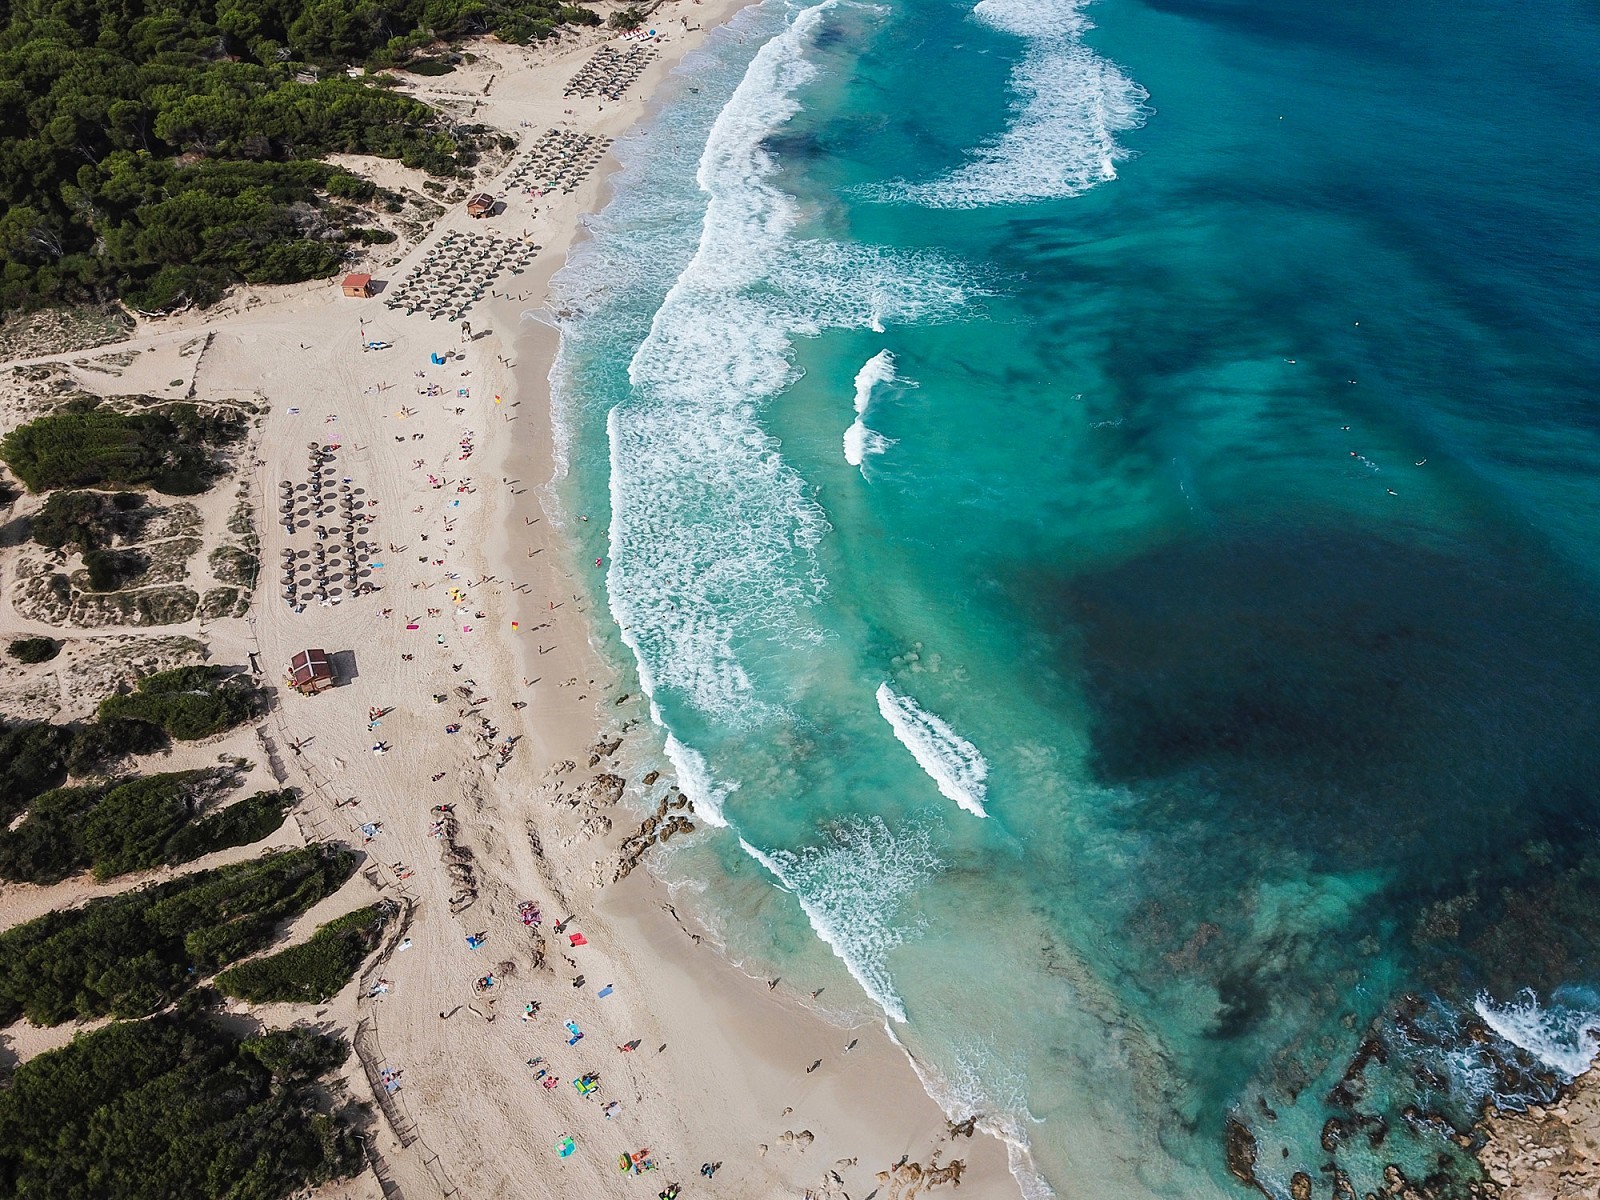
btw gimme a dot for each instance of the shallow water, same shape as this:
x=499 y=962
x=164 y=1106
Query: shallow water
x=1105 y=517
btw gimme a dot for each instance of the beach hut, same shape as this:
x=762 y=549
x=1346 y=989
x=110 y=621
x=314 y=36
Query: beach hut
x=480 y=205
x=310 y=672
x=359 y=286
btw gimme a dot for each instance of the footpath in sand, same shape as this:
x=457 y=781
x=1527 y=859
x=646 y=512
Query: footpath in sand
x=472 y=746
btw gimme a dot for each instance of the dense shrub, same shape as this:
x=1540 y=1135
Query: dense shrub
x=34 y=649
x=174 y=1106
x=145 y=822
x=97 y=745
x=131 y=954
x=313 y=971
x=187 y=702
x=108 y=570
x=47 y=845
x=84 y=444
x=87 y=520
x=239 y=824
x=33 y=759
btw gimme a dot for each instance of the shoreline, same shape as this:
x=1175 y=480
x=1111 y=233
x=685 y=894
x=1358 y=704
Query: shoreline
x=730 y=1081
x=711 y=995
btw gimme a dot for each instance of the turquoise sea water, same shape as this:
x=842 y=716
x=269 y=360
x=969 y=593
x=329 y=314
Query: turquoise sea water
x=1105 y=515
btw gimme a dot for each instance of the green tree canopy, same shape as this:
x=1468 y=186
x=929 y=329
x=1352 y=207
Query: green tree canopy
x=161 y=152
x=174 y=1106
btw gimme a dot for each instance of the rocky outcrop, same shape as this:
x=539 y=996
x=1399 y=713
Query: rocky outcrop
x=1546 y=1153
x=907 y=1179
x=669 y=819
x=1239 y=1148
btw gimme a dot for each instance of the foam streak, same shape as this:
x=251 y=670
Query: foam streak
x=952 y=762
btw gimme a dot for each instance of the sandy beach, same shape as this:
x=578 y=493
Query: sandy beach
x=474 y=747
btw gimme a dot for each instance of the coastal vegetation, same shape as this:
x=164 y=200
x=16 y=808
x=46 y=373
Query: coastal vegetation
x=85 y=443
x=87 y=521
x=160 y=153
x=132 y=954
x=176 y=1105
x=33 y=759
x=149 y=821
x=187 y=702
x=99 y=744
x=313 y=971
x=184 y=703
x=33 y=650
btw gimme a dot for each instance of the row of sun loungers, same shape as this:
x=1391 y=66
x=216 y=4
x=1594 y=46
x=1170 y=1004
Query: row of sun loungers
x=560 y=158
x=456 y=273
x=610 y=72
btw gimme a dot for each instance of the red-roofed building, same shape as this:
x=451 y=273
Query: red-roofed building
x=310 y=671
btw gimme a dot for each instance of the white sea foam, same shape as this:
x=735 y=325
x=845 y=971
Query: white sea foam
x=713 y=535
x=852 y=892
x=1068 y=105
x=694 y=777
x=996 y=1092
x=859 y=441
x=952 y=762
x=1564 y=1039
x=877 y=369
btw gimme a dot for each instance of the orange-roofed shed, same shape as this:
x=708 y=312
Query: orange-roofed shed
x=359 y=286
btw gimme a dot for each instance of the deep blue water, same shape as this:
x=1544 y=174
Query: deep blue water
x=1174 y=701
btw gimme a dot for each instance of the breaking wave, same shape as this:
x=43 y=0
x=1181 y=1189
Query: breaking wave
x=852 y=892
x=1069 y=104
x=859 y=441
x=952 y=762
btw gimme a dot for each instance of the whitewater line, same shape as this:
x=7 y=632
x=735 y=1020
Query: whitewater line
x=953 y=763
x=859 y=441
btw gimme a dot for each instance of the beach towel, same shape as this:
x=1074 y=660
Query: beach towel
x=578 y=939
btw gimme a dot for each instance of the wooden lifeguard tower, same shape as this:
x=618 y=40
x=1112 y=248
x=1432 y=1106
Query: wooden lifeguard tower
x=358 y=286
x=310 y=672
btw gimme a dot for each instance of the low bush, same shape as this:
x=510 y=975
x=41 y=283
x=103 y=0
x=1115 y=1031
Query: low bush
x=174 y=1106
x=132 y=954
x=313 y=971
x=108 y=570
x=34 y=649
x=187 y=702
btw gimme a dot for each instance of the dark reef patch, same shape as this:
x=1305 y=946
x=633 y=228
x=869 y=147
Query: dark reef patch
x=1352 y=698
